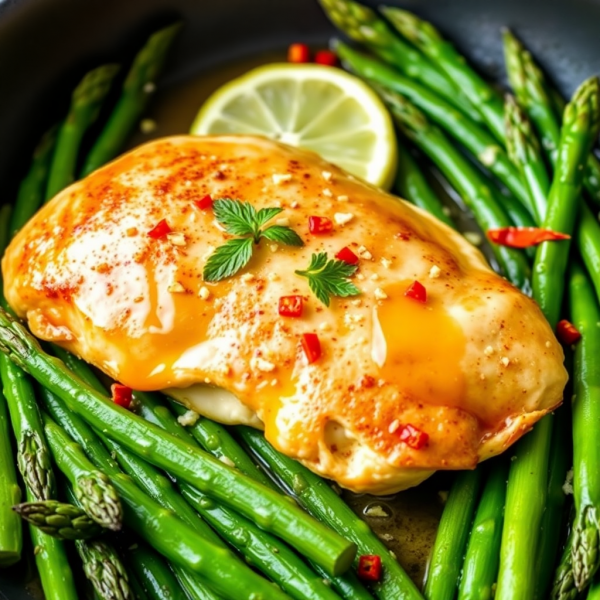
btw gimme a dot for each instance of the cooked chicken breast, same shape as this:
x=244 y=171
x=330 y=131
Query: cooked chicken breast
x=401 y=389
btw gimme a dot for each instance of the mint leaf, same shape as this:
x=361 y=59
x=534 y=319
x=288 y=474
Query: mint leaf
x=284 y=235
x=328 y=278
x=264 y=215
x=236 y=217
x=228 y=259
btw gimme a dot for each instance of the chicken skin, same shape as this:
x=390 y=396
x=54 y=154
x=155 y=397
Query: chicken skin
x=403 y=385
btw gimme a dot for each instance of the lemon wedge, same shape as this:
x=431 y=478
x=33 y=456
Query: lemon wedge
x=320 y=108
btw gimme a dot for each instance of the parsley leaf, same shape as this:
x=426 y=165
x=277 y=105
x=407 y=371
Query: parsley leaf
x=228 y=259
x=285 y=235
x=242 y=219
x=328 y=278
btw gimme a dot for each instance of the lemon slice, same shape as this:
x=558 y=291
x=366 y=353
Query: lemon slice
x=320 y=108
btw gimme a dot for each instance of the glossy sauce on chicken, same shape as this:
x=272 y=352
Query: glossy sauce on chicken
x=473 y=367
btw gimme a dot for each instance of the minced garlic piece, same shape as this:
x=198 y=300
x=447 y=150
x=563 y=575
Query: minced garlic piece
x=273 y=247
x=247 y=277
x=188 y=419
x=434 y=272
x=342 y=198
x=204 y=293
x=364 y=253
x=343 y=218
x=374 y=277
x=488 y=351
x=505 y=361
x=327 y=192
x=262 y=365
x=273 y=277
x=279 y=178
x=326 y=175
x=386 y=262
x=294 y=204
x=175 y=288
x=375 y=510
x=176 y=238
x=394 y=426
x=284 y=222
x=380 y=294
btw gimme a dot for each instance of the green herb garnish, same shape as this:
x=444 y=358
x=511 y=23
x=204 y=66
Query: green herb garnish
x=242 y=219
x=328 y=278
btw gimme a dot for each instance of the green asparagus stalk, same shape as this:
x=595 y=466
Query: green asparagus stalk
x=480 y=198
x=153 y=573
x=585 y=315
x=483 y=550
x=58 y=519
x=137 y=90
x=11 y=538
x=102 y=564
x=172 y=537
x=31 y=191
x=540 y=102
x=412 y=186
x=528 y=476
x=103 y=567
x=524 y=151
x=84 y=110
x=443 y=54
x=365 y=26
x=214 y=438
x=136 y=586
x=93 y=490
x=477 y=140
x=268 y=509
x=316 y=495
x=563 y=587
x=451 y=540
x=263 y=551
x=594 y=592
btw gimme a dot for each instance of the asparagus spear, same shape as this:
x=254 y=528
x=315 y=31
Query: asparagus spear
x=563 y=587
x=268 y=509
x=540 y=102
x=319 y=499
x=59 y=519
x=173 y=538
x=11 y=539
x=528 y=476
x=451 y=540
x=412 y=186
x=97 y=496
x=102 y=564
x=476 y=139
x=85 y=108
x=483 y=549
x=32 y=188
x=443 y=54
x=524 y=151
x=365 y=26
x=585 y=315
x=477 y=195
x=153 y=573
x=137 y=90
x=263 y=551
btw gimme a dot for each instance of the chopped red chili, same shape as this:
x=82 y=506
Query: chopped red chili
x=319 y=225
x=326 y=57
x=347 y=256
x=524 y=237
x=160 y=230
x=417 y=292
x=290 y=306
x=311 y=346
x=413 y=437
x=369 y=567
x=298 y=53
x=204 y=203
x=567 y=333
x=121 y=395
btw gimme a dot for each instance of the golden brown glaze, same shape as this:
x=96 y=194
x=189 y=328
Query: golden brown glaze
x=474 y=368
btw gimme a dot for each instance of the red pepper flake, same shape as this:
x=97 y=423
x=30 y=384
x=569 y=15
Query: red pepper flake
x=326 y=57
x=413 y=437
x=298 y=53
x=317 y=225
x=347 y=256
x=204 y=203
x=524 y=237
x=160 y=230
x=567 y=333
x=369 y=567
x=290 y=306
x=311 y=346
x=121 y=395
x=417 y=292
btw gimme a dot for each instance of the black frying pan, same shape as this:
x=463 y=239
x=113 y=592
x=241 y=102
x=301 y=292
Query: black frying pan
x=46 y=45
